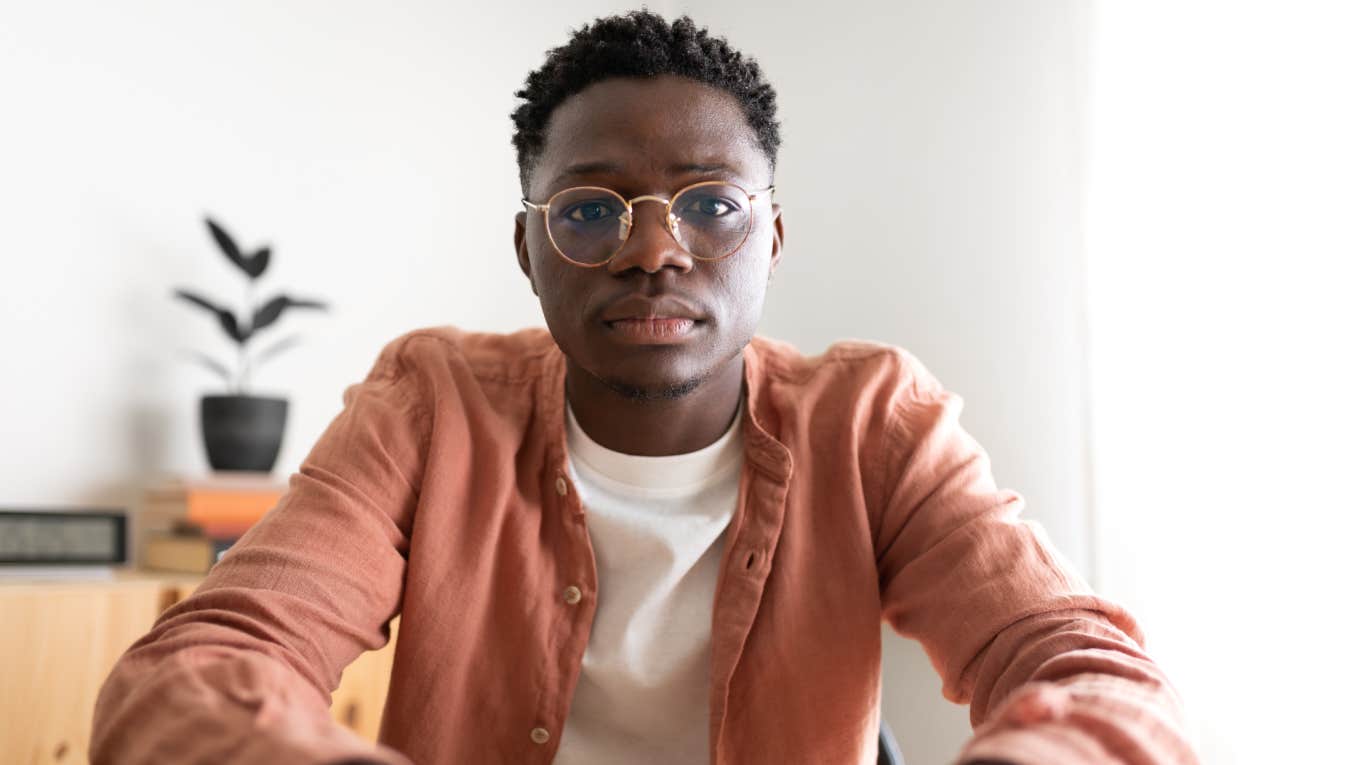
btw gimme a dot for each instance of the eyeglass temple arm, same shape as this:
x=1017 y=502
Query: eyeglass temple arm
x=754 y=194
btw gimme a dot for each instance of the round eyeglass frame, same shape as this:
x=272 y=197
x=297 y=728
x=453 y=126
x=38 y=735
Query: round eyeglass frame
x=628 y=218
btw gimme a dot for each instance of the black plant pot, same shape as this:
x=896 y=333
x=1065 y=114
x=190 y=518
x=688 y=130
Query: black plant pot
x=243 y=432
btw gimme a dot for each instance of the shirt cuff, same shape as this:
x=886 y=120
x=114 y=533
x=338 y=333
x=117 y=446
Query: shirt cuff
x=1048 y=743
x=1033 y=728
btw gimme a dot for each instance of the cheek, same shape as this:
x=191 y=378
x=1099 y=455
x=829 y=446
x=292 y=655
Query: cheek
x=744 y=283
x=543 y=263
x=560 y=288
x=739 y=291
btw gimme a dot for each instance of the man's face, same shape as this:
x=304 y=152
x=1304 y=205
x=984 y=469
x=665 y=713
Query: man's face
x=637 y=137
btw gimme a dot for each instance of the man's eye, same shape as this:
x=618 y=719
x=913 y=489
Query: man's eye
x=588 y=212
x=715 y=207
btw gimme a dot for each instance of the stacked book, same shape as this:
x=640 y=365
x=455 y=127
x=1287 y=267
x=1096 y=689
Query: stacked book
x=186 y=524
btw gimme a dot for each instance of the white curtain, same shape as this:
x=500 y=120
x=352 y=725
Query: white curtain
x=1223 y=241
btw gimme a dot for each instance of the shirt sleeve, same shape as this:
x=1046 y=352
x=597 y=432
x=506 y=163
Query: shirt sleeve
x=242 y=670
x=1054 y=673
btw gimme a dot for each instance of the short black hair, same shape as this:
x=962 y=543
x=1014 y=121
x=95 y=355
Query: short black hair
x=639 y=44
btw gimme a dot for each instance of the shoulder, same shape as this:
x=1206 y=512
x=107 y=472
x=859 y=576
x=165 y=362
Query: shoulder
x=877 y=401
x=851 y=369
x=483 y=355
x=883 y=394
x=428 y=367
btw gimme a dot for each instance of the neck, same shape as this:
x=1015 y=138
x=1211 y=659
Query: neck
x=656 y=428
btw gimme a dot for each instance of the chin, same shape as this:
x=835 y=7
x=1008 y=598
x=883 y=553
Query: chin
x=651 y=374
x=665 y=392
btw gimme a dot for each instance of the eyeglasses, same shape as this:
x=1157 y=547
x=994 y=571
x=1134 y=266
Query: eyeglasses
x=589 y=225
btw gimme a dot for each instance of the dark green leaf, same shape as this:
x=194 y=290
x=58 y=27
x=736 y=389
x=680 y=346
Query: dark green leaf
x=225 y=318
x=257 y=263
x=228 y=322
x=196 y=300
x=227 y=245
x=269 y=312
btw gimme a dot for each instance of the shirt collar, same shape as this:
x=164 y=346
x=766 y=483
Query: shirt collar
x=763 y=451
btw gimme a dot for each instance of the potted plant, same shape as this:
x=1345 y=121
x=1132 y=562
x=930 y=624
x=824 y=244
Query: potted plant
x=241 y=431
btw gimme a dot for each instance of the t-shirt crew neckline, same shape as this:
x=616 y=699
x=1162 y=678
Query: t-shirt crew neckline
x=669 y=475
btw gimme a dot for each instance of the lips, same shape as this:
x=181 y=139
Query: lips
x=650 y=308
x=656 y=320
x=652 y=330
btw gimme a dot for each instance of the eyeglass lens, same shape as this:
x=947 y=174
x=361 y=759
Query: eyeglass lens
x=590 y=225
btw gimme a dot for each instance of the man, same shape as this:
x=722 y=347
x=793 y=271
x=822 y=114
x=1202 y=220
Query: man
x=645 y=535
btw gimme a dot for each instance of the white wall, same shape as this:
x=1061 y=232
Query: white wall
x=368 y=143
x=930 y=180
x=1225 y=257
x=931 y=184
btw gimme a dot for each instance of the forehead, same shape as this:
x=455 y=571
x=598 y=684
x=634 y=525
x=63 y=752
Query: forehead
x=645 y=130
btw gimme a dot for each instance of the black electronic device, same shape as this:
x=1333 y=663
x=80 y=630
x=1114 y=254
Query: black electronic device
x=62 y=537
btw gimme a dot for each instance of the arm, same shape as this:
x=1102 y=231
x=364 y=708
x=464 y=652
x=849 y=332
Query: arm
x=1054 y=673
x=243 y=669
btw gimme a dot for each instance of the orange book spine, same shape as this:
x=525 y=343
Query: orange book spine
x=229 y=508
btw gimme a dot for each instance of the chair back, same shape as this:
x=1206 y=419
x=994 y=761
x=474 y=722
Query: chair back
x=888 y=753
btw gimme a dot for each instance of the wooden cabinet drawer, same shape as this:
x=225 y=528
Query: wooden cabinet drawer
x=59 y=641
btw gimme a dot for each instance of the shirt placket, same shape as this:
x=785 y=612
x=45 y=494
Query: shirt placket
x=573 y=608
x=745 y=568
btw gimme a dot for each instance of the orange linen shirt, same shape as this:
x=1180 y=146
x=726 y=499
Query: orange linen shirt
x=441 y=493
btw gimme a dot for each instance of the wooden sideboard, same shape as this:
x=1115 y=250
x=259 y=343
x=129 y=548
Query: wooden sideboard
x=59 y=640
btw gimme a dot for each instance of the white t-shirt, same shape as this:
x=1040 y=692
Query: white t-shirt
x=656 y=526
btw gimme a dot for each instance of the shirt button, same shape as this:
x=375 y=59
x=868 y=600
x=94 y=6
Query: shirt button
x=539 y=735
x=572 y=594
x=561 y=486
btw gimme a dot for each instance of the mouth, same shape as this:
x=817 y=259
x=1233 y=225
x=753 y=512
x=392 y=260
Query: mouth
x=652 y=330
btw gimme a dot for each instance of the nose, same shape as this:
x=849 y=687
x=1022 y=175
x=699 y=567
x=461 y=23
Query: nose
x=650 y=245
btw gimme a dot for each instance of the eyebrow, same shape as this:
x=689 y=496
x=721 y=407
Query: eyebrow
x=604 y=166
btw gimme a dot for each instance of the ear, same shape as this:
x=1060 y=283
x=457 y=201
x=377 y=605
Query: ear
x=777 y=245
x=522 y=250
